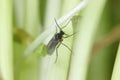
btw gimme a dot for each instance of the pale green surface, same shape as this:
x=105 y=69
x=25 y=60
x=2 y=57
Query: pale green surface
x=6 y=53
x=61 y=68
x=52 y=11
x=116 y=69
x=31 y=17
x=67 y=5
x=19 y=8
x=101 y=63
x=84 y=40
x=26 y=68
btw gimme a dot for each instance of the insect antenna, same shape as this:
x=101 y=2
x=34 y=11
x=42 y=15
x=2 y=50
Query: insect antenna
x=66 y=24
x=57 y=24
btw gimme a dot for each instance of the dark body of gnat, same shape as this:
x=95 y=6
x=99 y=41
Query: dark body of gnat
x=56 y=41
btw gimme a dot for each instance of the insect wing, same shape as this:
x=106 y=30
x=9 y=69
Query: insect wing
x=51 y=46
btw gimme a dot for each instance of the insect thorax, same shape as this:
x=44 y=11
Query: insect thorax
x=59 y=36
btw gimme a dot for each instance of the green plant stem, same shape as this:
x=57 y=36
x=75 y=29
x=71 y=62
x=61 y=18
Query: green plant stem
x=31 y=17
x=19 y=8
x=6 y=53
x=84 y=39
x=52 y=11
x=116 y=70
x=66 y=5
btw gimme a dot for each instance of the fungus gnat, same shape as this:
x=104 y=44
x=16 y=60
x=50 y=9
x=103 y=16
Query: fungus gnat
x=56 y=41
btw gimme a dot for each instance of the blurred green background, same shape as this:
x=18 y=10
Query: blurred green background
x=22 y=21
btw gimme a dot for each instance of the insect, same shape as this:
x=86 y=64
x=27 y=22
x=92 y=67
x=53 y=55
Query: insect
x=56 y=41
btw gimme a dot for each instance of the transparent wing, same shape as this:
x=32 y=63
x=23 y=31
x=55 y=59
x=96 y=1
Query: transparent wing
x=52 y=45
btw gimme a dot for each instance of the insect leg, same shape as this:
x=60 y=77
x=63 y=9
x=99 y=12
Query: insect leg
x=57 y=51
x=69 y=35
x=66 y=47
x=57 y=24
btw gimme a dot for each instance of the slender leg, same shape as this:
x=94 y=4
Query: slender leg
x=56 y=54
x=66 y=47
x=56 y=31
x=57 y=51
x=69 y=35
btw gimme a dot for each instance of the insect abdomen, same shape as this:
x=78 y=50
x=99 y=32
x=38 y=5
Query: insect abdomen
x=51 y=46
